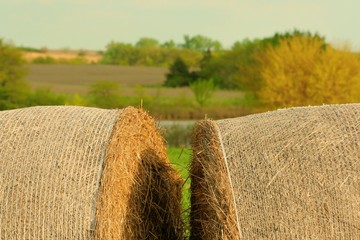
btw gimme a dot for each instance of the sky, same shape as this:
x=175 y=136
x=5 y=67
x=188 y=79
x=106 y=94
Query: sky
x=92 y=24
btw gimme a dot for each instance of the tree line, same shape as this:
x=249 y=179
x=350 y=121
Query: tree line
x=287 y=69
x=150 y=52
x=290 y=69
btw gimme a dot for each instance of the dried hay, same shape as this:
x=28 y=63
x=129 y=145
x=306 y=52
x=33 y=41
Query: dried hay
x=287 y=174
x=85 y=173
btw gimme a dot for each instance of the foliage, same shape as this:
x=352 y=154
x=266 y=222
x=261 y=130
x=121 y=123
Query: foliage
x=50 y=60
x=44 y=60
x=239 y=68
x=200 y=43
x=146 y=42
x=105 y=94
x=117 y=53
x=147 y=52
x=29 y=49
x=76 y=100
x=304 y=71
x=13 y=89
x=77 y=60
x=44 y=96
x=179 y=75
x=203 y=90
x=169 y=44
x=139 y=90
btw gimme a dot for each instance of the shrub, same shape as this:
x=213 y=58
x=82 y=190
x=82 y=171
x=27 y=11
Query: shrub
x=203 y=90
x=44 y=60
x=44 y=96
x=105 y=94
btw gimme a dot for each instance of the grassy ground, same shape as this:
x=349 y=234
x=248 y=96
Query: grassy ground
x=180 y=160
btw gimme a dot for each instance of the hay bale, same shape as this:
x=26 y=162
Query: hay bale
x=287 y=174
x=85 y=173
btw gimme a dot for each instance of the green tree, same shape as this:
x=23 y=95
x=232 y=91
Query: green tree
x=200 y=43
x=203 y=90
x=105 y=94
x=239 y=68
x=169 y=44
x=178 y=75
x=146 y=42
x=120 y=54
x=13 y=89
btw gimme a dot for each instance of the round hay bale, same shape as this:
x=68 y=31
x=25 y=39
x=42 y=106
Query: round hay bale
x=287 y=174
x=85 y=173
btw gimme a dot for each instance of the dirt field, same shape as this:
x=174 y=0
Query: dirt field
x=67 y=78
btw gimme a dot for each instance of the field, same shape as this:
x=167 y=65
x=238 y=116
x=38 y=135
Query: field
x=139 y=86
x=68 y=78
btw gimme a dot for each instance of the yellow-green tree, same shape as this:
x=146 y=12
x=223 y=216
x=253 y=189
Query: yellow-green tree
x=13 y=89
x=305 y=71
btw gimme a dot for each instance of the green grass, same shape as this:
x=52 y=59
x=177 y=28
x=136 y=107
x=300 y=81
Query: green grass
x=180 y=160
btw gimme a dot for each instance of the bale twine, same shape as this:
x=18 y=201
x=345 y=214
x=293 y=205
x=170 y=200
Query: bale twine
x=85 y=173
x=287 y=174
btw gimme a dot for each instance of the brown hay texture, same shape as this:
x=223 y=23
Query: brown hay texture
x=287 y=174
x=85 y=173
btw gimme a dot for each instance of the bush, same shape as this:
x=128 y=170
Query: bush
x=105 y=94
x=44 y=96
x=203 y=90
x=76 y=100
x=44 y=60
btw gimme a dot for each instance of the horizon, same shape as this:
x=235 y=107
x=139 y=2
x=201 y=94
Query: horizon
x=91 y=25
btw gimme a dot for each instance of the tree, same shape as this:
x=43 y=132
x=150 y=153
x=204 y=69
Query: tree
x=105 y=94
x=203 y=90
x=13 y=89
x=200 y=43
x=120 y=54
x=304 y=71
x=178 y=75
x=146 y=42
x=239 y=68
x=169 y=44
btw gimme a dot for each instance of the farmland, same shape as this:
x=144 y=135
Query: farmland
x=67 y=78
x=137 y=86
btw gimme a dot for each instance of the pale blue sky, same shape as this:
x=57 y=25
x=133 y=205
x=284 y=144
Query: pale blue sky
x=91 y=24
